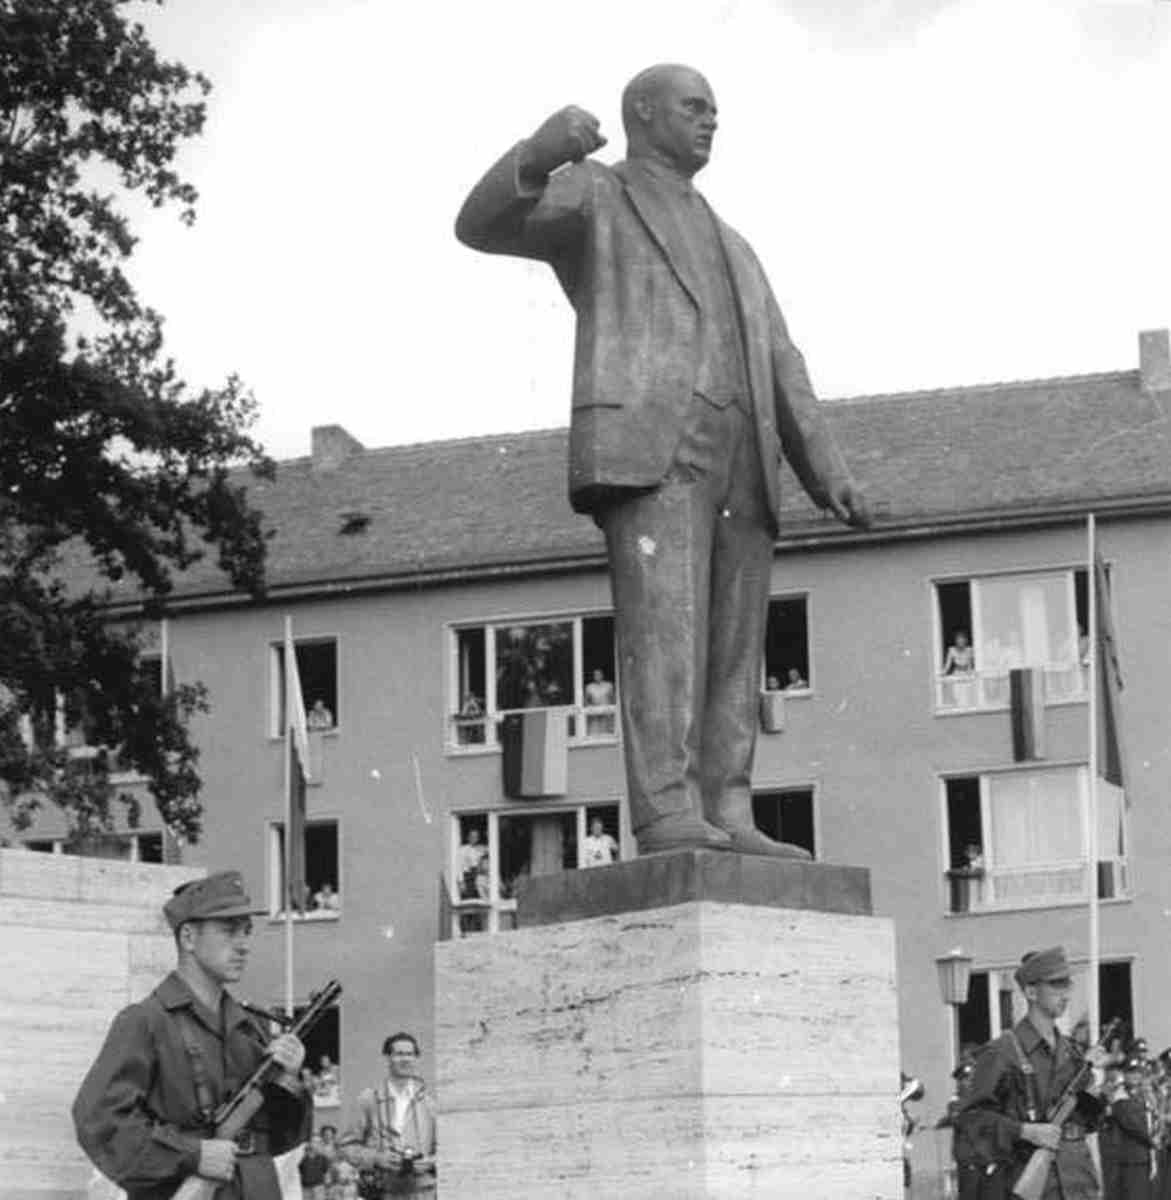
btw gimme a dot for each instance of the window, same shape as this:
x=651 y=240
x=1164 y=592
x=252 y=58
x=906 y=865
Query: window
x=988 y=626
x=493 y=851
x=786 y=816
x=156 y=847
x=323 y=1047
x=564 y=664
x=317 y=668
x=1019 y=839
x=322 y=877
x=786 y=645
x=995 y=1003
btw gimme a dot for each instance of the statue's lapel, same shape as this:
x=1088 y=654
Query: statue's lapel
x=657 y=209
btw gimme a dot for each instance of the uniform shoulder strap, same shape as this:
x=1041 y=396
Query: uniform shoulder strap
x=1030 y=1074
x=204 y=1099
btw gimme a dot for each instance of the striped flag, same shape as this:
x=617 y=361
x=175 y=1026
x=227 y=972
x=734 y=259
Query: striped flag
x=534 y=753
x=297 y=733
x=1026 y=686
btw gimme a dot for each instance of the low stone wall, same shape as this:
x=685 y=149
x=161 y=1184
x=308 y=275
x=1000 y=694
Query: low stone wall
x=79 y=939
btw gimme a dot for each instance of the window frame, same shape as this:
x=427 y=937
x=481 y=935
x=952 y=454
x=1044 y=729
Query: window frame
x=1123 y=864
x=810 y=687
x=577 y=712
x=981 y=676
x=275 y=871
x=811 y=786
x=133 y=838
x=999 y=977
x=497 y=906
x=276 y=683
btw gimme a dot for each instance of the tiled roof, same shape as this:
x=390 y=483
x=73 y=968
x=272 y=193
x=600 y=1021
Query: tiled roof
x=446 y=508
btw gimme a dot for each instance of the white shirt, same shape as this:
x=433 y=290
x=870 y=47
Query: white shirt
x=598 y=851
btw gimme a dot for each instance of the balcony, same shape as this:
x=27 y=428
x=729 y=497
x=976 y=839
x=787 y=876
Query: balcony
x=989 y=689
x=586 y=724
x=1035 y=885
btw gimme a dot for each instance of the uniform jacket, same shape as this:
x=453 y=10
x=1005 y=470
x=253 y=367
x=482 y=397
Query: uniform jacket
x=1128 y=1136
x=988 y=1124
x=137 y=1114
x=612 y=238
x=371 y=1134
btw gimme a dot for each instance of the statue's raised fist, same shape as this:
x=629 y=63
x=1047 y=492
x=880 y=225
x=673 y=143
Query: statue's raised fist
x=567 y=136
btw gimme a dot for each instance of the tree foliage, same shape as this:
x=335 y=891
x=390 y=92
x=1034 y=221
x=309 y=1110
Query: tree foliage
x=110 y=468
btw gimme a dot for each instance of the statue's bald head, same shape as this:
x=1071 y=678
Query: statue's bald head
x=647 y=87
x=668 y=112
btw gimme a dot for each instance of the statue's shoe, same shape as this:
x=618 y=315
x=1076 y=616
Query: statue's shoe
x=681 y=831
x=747 y=839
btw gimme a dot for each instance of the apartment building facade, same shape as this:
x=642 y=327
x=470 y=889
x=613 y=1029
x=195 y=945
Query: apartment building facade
x=435 y=589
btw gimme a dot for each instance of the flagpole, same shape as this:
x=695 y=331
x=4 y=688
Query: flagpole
x=1092 y=684
x=288 y=896
x=164 y=653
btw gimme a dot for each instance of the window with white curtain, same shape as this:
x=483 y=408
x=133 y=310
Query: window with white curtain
x=1020 y=838
x=1027 y=620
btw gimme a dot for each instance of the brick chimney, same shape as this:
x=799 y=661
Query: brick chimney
x=332 y=446
x=1154 y=360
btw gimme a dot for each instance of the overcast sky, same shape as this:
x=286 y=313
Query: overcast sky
x=943 y=192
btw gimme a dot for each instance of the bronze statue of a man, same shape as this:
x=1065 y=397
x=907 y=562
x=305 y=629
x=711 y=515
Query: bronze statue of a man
x=686 y=393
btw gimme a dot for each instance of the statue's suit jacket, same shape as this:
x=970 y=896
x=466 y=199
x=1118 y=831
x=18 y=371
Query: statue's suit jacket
x=612 y=238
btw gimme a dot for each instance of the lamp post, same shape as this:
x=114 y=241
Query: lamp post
x=955 y=974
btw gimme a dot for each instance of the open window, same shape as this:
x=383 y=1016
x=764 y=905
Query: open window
x=1018 y=839
x=988 y=626
x=323 y=899
x=492 y=852
x=323 y=1052
x=995 y=1002
x=317 y=668
x=567 y=664
x=786 y=645
x=786 y=815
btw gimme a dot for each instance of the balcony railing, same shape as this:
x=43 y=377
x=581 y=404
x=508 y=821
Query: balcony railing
x=1034 y=885
x=989 y=689
x=587 y=723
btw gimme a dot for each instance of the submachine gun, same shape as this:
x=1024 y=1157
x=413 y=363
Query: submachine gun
x=232 y=1117
x=1031 y=1184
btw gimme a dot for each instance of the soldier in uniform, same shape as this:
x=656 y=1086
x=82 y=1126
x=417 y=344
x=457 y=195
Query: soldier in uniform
x=1128 y=1138
x=143 y=1114
x=1017 y=1079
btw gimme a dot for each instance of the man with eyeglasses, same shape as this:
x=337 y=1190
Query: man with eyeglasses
x=1017 y=1078
x=144 y=1111
x=393 y=1140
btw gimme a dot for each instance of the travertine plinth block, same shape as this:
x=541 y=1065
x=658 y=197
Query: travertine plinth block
x=79 y=939
x=698 y=1049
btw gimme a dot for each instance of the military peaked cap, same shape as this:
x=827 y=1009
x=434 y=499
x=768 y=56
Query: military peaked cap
x=219 y=895
x=1043 y=966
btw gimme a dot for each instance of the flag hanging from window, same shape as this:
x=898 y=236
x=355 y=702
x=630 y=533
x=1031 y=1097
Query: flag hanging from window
x=534 y=753
x=297 y=736
x=1109 y=680
x=1026 y=690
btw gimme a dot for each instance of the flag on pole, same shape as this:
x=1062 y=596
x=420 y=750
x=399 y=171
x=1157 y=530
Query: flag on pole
x=297 y=734
x=1109 y=681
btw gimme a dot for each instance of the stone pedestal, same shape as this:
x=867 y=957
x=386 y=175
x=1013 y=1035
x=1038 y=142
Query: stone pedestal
x=692 y=1025
x=79 y=939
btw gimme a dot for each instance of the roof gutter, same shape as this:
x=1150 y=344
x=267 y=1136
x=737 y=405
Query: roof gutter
x=825 y=534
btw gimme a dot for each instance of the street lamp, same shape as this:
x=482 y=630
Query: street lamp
x=955 y=972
